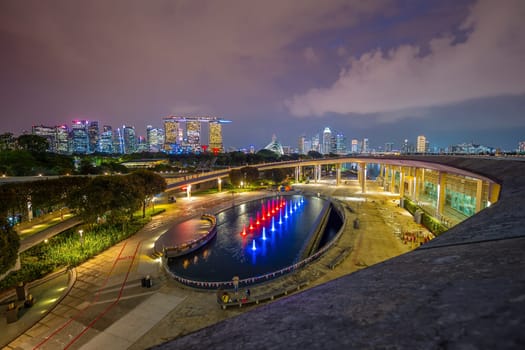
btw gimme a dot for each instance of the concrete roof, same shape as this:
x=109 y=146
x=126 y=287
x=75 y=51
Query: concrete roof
x=463 y=290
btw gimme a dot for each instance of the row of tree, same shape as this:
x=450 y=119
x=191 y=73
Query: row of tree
x=115 y=198
x=251 y=175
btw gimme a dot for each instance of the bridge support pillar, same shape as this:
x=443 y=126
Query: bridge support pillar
x=417 y=183
x=479 y=194
x=392 y=180
x=337 y=174
x=219 y=184
x=318 y=173
x=442 y=184
x=361 y=176
x=188 y=191
x=402 y=182
x=297 y=173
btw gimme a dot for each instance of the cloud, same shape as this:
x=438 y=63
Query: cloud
x=187 y=109
x=488 y=63
x=310 y=56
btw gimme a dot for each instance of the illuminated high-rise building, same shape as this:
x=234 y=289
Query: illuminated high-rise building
x=366 y=146
x=300 y=145
x=193 y=135
x=215 y=140
x=61 y=139
x=327 y=140
x=105 y=143
x=340 y=143
x=93 y=136
x=389 y=146
x=185 y=134
x=154 y=138
x=172 y=135
x=355 y=146
x=79 y=137
x=130 y=139
x=421 y=144
x=316 y=145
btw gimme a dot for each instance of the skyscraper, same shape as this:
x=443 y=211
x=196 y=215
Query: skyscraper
x=154 y=138
x=130 y=139
x=340 y=143
x=355 y=146
x=105 y=143
x=421 y=144
x=366 y=146
x=93 y=136
x=215 y=140
x=193 y=136
x=79 y=137
x=62 y=139
x=301 y=148
x=184 y=134
x=327 y=141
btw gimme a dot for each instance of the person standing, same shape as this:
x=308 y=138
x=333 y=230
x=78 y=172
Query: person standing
x=235 y=283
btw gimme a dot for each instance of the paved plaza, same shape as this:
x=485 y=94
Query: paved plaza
x=108 y=307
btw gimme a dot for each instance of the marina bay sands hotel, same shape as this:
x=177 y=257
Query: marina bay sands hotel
x=184 y=134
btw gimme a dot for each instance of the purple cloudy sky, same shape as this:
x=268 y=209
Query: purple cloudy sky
x=452 y=70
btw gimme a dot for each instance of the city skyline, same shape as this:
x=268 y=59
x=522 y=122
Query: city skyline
x=383 y=70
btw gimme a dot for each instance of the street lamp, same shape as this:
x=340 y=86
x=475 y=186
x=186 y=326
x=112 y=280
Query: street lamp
x=80 y=233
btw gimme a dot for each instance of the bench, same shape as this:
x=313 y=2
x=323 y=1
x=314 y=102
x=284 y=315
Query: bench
x=339 y=259
x=256 y=299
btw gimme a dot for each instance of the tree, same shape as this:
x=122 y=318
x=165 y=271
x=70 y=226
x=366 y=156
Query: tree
x=267 y=156
x=148 y=184
x=278 y=175
x=235 y=177
x=9 y=244
x=314 y=155
x=250 y=174
x=33 y=143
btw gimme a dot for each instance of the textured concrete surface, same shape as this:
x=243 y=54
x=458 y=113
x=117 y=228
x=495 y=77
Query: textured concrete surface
x=464 y=290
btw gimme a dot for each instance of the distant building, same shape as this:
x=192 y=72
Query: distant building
x=421 y=144
x=355 y=146
x=340 y=143
x=184 y=134
x=47 y=132
x=366 y=146
x=521 y=146
x=275 y=146
x=389 y=147
x=93 y=136
x=61 y=139
x=105 y=143
x=300 y=145
x=215 y=144
x=79 y=137
x=470 y=148
x=327 y=141
x=130 y=139
x=154 y=138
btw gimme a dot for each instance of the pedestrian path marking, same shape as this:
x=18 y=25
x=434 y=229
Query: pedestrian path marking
x=130 y=328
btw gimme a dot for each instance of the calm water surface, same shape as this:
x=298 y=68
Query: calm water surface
x=231 y=253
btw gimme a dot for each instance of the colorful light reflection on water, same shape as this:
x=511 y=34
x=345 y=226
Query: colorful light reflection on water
x=273 y=243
